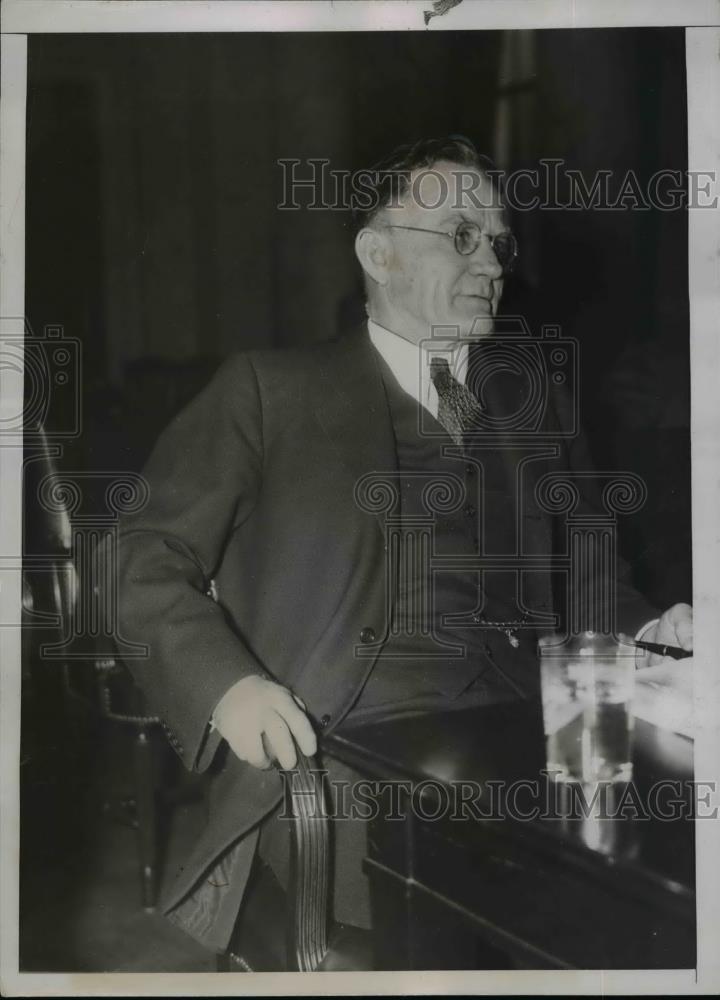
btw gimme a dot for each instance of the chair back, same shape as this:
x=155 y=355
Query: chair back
x=50 y=582
x=308 y=896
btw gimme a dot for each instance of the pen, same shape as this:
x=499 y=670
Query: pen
x=662 y=649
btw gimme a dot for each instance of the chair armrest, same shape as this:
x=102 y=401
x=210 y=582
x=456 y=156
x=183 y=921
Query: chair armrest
x=308 y=896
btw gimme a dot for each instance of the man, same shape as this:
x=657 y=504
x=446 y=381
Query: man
x=258 y=576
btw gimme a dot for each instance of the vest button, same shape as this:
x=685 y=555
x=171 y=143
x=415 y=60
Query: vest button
x=325 y=721
x=367 y=634
x=470 y=511
x=470 y=470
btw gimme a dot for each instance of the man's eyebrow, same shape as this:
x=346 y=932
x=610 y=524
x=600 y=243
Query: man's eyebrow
x=453 y=219
x=459 y=216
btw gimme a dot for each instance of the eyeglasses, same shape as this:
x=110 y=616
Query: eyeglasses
x=467 y=237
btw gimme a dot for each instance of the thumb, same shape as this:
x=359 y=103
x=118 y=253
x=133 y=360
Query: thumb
x=683 y=622
x=684 y=632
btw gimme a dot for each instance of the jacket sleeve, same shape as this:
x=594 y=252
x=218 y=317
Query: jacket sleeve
x=203 y=479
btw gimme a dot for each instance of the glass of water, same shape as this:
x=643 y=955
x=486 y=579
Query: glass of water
x=587 y=689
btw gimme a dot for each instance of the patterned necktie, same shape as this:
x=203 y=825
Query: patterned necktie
x=458 y=408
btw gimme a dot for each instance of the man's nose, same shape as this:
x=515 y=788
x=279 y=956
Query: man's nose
x=483 y=260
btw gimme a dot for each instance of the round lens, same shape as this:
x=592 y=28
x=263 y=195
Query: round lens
x=467 y=237
x=505 y=247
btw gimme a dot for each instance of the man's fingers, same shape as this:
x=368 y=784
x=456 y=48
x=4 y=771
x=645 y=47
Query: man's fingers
x=666 y=632
x=262 y=721
x=676 y=627
x=300 y=727
x=682 y=616
x=684 y=632
x=254 y=753
x=281 y=743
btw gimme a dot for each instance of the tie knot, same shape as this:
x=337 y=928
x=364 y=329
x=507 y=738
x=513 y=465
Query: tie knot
x=440 y=375
x=457 y=406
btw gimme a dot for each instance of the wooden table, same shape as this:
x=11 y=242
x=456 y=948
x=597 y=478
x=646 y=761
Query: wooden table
x=491 y=891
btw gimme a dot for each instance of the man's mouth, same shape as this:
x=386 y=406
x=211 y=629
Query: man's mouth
x=481 y=300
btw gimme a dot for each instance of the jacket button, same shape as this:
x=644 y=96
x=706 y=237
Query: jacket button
x=324 y=722
x=470 y=511
x=367 y=634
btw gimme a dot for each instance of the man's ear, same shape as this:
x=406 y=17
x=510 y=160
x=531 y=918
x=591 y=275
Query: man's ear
x=373 y=251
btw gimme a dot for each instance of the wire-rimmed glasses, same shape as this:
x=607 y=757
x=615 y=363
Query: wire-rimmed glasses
x=467 y=237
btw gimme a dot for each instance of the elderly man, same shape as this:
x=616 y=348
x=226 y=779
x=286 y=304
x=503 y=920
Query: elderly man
x=263 y=583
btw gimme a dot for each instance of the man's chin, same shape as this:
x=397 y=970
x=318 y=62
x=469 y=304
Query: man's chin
x=480 y=325
x=474 y=316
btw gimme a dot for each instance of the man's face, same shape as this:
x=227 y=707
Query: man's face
x=429 y=283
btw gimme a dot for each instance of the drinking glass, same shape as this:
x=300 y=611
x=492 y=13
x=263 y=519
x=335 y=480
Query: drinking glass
x=587 y=689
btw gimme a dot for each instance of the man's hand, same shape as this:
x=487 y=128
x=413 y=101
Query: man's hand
x=259 y=719
x=675 y=628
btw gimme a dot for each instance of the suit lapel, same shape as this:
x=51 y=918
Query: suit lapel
x=352 y=406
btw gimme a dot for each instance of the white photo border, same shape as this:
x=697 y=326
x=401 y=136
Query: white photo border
x=701 y=18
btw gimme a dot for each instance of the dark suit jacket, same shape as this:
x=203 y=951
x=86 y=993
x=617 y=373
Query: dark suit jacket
x=252 y=486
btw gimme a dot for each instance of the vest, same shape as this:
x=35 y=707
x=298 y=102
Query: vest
x=424 y=653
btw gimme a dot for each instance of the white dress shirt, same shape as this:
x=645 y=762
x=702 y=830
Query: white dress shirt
x=410 y=363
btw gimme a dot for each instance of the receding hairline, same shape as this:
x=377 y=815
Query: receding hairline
x=406 y=197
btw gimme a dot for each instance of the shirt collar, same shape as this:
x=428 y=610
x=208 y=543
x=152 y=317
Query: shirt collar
x=410 y=364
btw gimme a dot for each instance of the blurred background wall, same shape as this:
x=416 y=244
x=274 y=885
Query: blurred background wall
x=153 y=233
